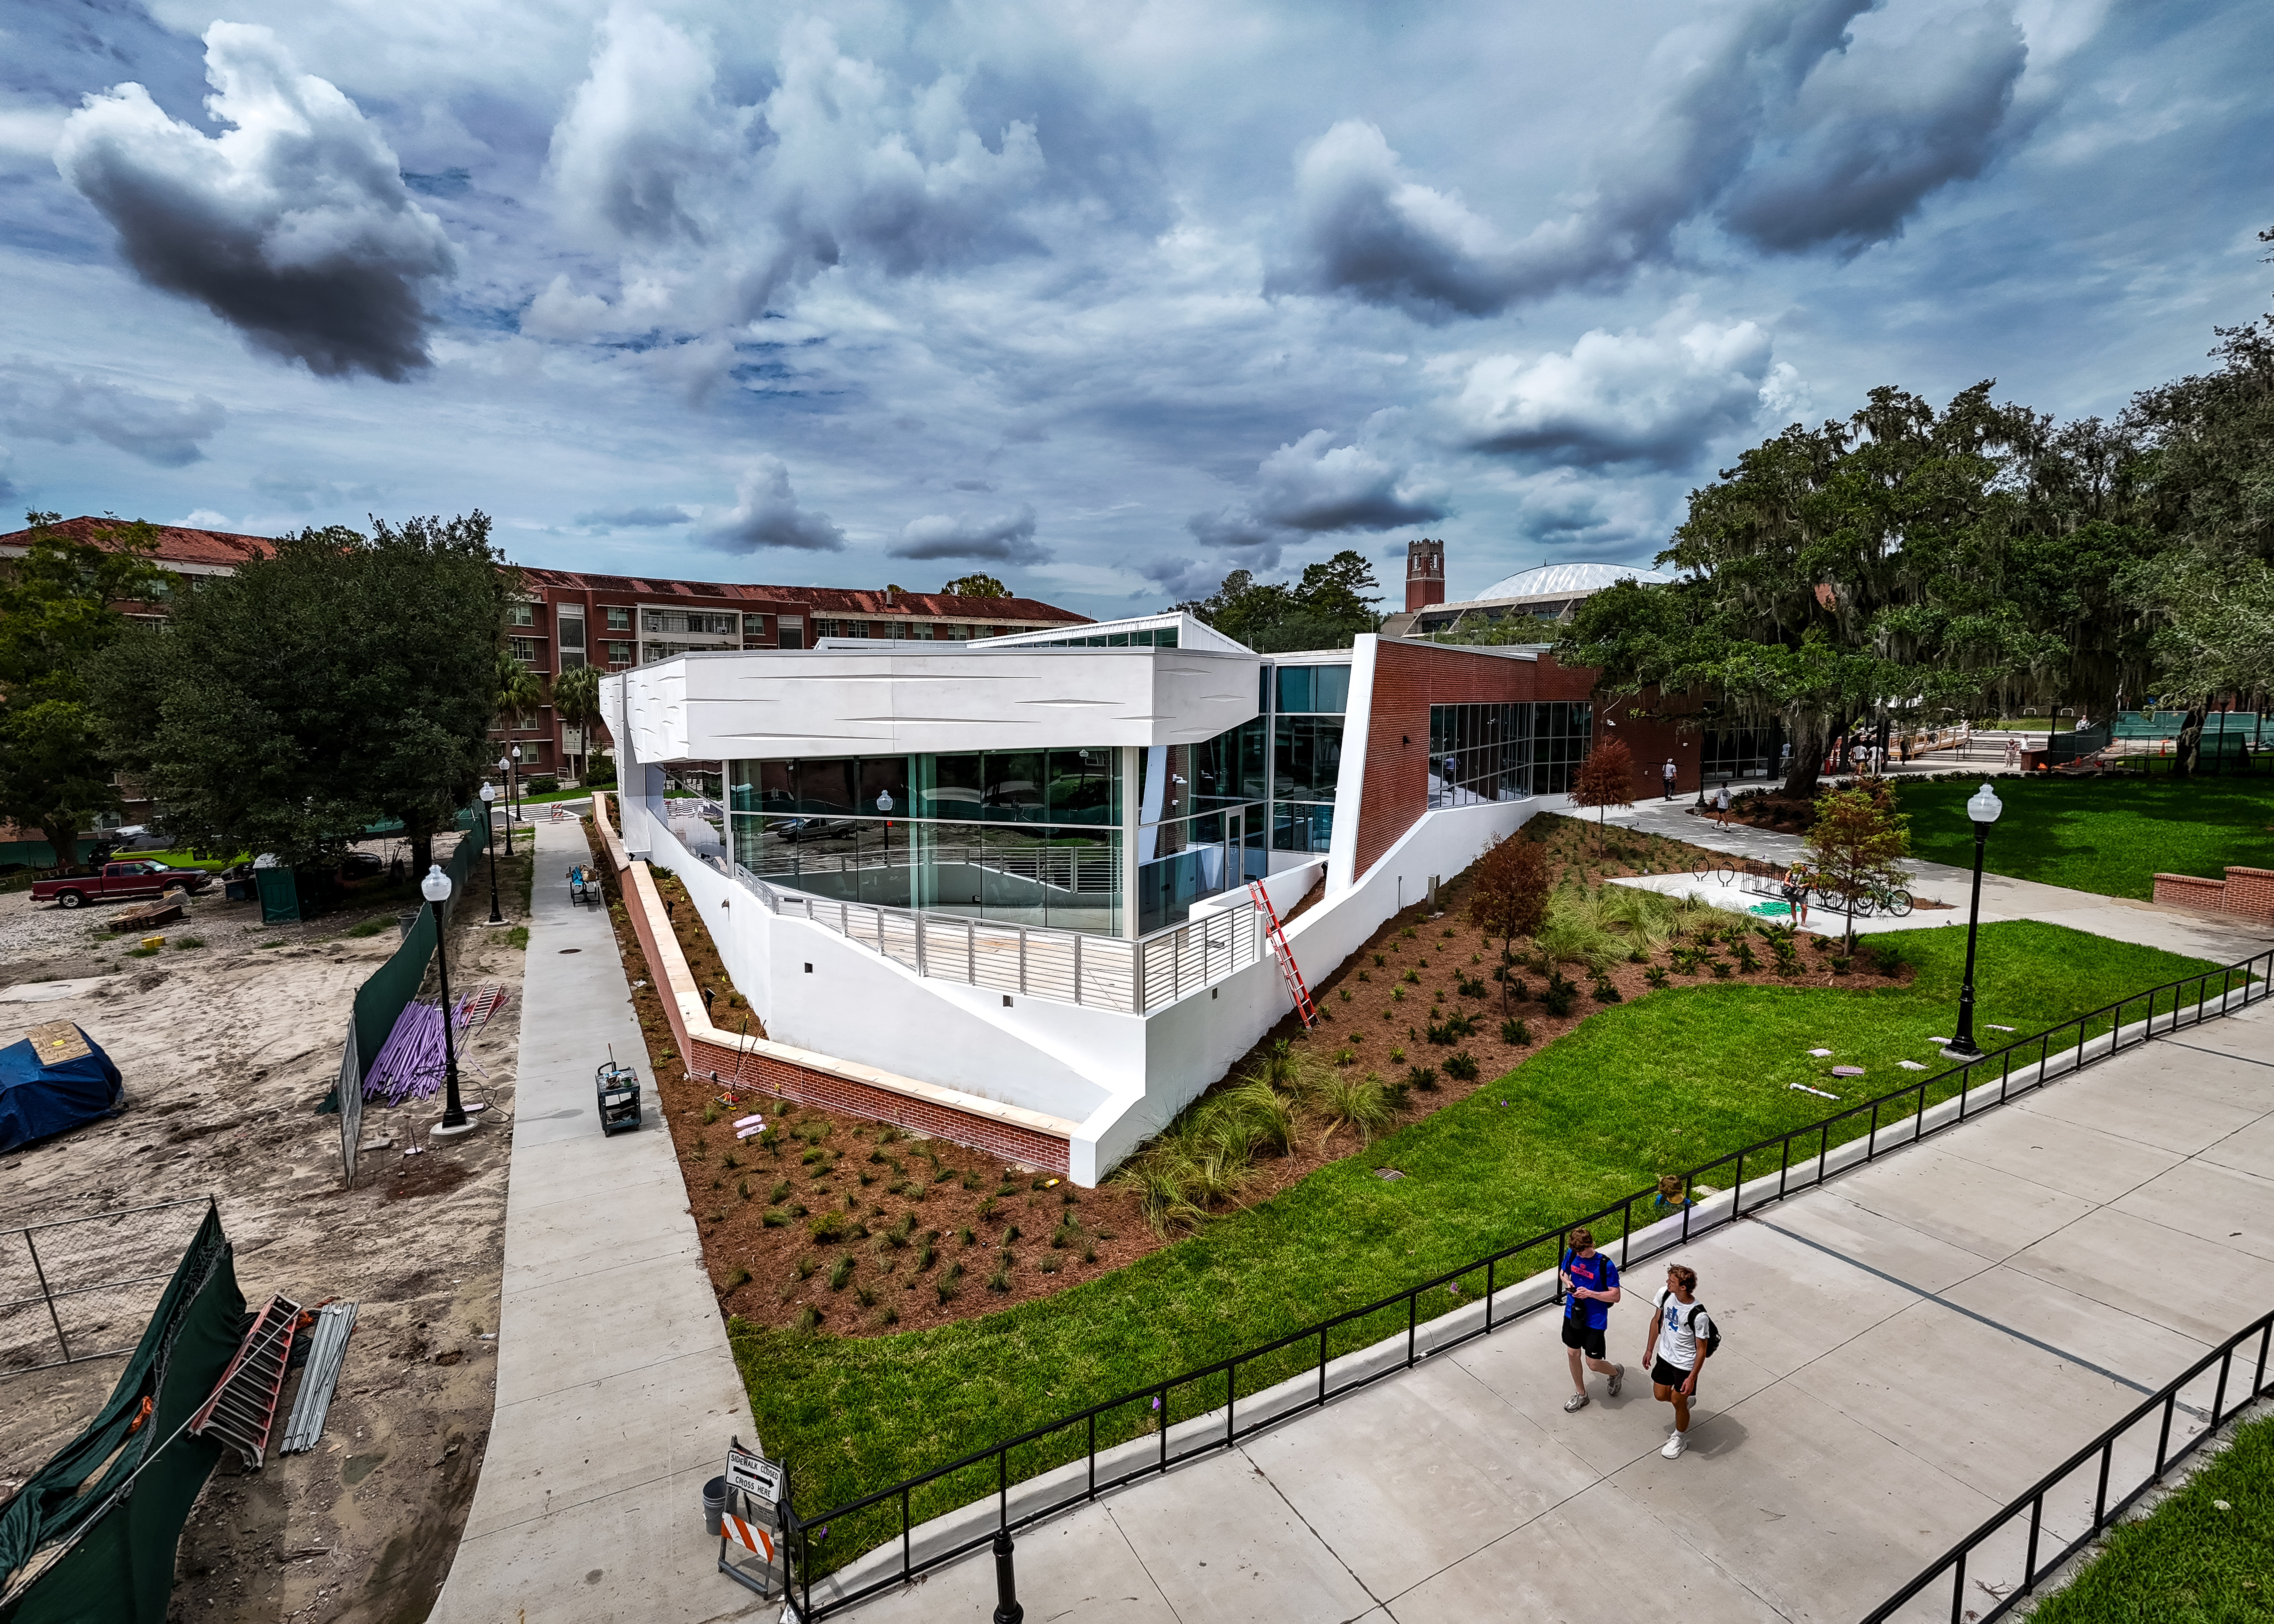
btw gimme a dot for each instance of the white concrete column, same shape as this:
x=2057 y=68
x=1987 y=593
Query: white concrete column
x=1350 y=784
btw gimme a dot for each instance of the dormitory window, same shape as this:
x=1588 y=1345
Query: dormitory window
x=520 y=614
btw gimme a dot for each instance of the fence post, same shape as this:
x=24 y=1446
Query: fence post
x=970 y=952
x=62 y=1342
x=1022 y=958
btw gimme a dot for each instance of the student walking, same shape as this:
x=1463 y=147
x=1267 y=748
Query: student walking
x=1667 y=774
x=1722 y=806
x=1591 y=1282
x=1681 y=1335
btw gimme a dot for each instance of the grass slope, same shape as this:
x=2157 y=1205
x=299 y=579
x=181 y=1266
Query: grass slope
x=2189 y=1562
x=2109 y=836
x=1658 y=1085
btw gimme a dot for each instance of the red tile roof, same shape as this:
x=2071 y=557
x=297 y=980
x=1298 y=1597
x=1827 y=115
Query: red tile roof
x=177 y=544
x=180 y=545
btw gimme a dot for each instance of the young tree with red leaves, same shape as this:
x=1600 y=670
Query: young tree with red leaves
x=1606 y=780
x=1859 y=842
x=1508 y=897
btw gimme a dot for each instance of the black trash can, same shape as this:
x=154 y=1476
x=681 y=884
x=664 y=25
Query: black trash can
x=714 y=1504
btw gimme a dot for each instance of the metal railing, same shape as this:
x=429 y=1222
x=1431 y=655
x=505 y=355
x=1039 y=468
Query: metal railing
x=2006 y=1564
x=75 y=1289
x=1069 y=967
x=1111 y=1436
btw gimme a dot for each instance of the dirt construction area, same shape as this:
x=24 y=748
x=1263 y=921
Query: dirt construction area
x=228 y=1037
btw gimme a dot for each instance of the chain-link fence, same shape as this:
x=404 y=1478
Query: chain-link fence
x=83 y=1288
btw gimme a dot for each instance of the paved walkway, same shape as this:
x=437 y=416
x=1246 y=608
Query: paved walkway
x=616 y=1392
x=1907 y=1349
x=2180 y=931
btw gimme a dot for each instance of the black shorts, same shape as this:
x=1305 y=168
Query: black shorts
x=1665 y=1375
x=1586 y=1339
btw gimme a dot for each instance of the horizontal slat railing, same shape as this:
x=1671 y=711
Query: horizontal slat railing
x=1067 y=967
x=1153 y=1428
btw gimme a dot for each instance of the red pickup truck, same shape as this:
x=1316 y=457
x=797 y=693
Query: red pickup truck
x=124 y=881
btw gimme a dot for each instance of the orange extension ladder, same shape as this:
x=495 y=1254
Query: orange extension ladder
x=1277 y=938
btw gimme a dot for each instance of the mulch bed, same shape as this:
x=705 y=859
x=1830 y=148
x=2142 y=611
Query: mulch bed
x=880 y=1192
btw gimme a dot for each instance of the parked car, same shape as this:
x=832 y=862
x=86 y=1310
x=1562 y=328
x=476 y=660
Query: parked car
x=120 y=882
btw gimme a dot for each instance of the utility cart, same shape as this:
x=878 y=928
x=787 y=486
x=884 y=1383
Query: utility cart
x=619 y=1089
x=584 y=886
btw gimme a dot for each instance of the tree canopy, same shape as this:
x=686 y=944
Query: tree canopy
x=59 y=617
x=1328 y=608
x=348 y=678
x=975 y=585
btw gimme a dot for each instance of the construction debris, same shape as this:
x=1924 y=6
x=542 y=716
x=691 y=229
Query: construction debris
x=328 y=1351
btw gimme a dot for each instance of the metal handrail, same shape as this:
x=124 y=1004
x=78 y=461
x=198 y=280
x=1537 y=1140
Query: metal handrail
x=1221 y=1377
x=2105 y=1513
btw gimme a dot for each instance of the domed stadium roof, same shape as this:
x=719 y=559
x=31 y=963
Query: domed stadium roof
x=1566 y=579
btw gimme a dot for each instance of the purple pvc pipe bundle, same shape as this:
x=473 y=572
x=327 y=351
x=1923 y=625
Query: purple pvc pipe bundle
x=411 y=1062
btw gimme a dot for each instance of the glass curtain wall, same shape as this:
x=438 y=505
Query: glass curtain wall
x=1023 y=836
x=1505 y=752
x=1201 y=823
x=1307 y=704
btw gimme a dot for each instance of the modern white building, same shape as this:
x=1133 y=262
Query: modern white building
x=1006 y=882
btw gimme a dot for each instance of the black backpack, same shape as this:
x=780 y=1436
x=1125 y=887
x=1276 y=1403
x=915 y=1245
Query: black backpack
x=1712 y=1326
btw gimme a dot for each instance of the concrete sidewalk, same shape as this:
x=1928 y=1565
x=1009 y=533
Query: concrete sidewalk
x=616 y=1392
x=2176 y=930
x=1905 y=1349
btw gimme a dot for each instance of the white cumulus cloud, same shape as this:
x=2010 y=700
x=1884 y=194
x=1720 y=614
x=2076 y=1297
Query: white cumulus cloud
x=1655 y=397
x=1005 y=538
x=766 y=514
x=45 y=402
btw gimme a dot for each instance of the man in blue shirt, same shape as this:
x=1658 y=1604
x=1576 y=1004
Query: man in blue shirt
x=1590 y=1285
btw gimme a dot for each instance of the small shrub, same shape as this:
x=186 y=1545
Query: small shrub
x=1469 y=987
x=1380 y=960
x=1842 y=963
x=1461 y=1066
x=828 y=1227
x=1655 y=975
x=1406 y=935
x=1561 y=994
x=141 y=952
x=1423 y=1078
x=1721 y=968
x=1887 y=960
x=1439 y=1035
x=780 y=1189
x=1604 y=992
x=841 y=1273
x=927 y=1251
x=1748 y=960
x=804 y=1267
x=1397 y=994
x=1412 y=978
x=736 y=1278
x=891 y=1316
x=809 y=1318
x=775 y=1221
x=1344 y=994
x=1344 y=1056
x=1397 y=1056
x=742 y=1188
x=369 y=927
x=1423 y=962
x=866 y=1294
x=1011 y=1234
x=1516 y=1033
x=1000 y=1280
x=950 y=1284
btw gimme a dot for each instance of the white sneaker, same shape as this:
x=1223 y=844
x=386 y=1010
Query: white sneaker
x=1577 y=1400
x=1674 y=1446
x=1617 y=1376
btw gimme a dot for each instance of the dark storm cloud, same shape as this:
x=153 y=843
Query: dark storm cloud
x=42 y=402
x=766 y=514
x=1777 y=122
x=295 y=227
x=1005 y=538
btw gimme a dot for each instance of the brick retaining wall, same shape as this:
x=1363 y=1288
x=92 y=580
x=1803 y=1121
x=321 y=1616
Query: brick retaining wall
x=2247 y=893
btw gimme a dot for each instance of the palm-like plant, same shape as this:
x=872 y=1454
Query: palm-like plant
x=576 y=700
x=518 y=689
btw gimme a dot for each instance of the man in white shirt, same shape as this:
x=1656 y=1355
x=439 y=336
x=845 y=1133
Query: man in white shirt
x=1680 y=1334
x=1667 y=774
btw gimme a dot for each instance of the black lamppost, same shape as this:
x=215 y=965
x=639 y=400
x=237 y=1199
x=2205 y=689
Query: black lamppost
x=509 y=770
x=1984 y=808
x=436 y=888
x=489 y=839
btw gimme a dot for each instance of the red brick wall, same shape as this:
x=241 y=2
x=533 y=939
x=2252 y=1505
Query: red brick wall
x=2248 y=892
x=1408 y=679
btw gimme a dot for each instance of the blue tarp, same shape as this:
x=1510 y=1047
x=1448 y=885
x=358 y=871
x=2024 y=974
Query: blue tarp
x=39 y=1097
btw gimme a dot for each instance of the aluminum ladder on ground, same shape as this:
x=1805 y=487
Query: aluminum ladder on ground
x=243 y=1408
x=1277 y=938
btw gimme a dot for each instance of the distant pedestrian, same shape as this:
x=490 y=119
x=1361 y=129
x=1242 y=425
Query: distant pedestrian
x=1667 y=774
x=1682 y=1335
x=1590 y=1285
x=2013 y=752
x=1904 y=746
x=1722 y=806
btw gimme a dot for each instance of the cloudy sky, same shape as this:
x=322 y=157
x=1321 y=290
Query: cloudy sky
x=1106 y=300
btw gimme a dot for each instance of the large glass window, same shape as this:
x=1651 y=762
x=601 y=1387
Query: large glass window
x=1307 y=752
x=1561 y=735
x=1314 y=687
x=1027 y=837
x=1479 y=753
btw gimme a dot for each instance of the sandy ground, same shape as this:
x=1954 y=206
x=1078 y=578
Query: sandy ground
x=228 y=1049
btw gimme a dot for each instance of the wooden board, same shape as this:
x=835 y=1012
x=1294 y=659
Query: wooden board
x=55 y=1041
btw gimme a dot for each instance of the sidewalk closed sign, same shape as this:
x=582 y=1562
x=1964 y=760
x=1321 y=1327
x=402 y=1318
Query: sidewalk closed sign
x=753 y=1473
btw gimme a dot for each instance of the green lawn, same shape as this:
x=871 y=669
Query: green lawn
x=2190 y=1562
x=1657 y=1085
x=2111 y=836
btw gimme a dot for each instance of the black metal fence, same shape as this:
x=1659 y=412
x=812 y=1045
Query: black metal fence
x=2008 y=1555
x=1062 y=1463
x=74 y=1288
